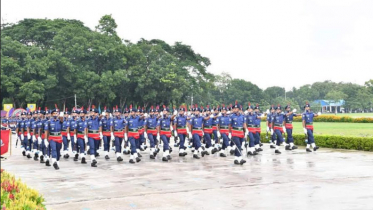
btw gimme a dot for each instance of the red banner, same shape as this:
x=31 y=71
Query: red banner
x=5 y=136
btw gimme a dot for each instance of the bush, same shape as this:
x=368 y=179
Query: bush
x=337 y=142
x=16 y=195
x=331 y=118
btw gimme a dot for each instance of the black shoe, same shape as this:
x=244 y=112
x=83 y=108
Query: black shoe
x=316 y=148
x=255 y=153
x=203 y=153
x=260 y=144
x=176 y=145
x=66 y=156
x=138 y=159
x=213 y=151
x=231 y=152
x=287 y=147
x=222 y=155
x=308 y=150
x=42 y=159
x=145 y=147
x=294 y=147
x=36 y=157
x=55 y=165
x=29 y=156
x=164 y=159
x=152 y=157
x=88 y=152
x=242 y=161
x=107 y=157
x=169 y=157
x=196 y=156
x=139 y=155
x=236 y=162
x=132 y=161
x=83 y=160
x=94 y=163
x=170 y=149
x=277 y=151
x=24 y=153
x=97 y=154
x=259 y=149
x=47 y=163
x=182 y=154
x=157 y=151
x=141 y=149
x=76 y=158
x=273 y=146
x=249 y=153
x=118 y=158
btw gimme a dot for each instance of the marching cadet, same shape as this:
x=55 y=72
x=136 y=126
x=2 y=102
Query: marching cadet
x=107 y=133
x=307 y=121
x=66 y=134
x=151 y=131
x=81 y=135
x=196 y=129
x=236 y=132
x=126 y=149
x=289 y=127
x=269 y=127
x=132 y=134
x=181 y=130
x=278 y=127
x=41 y=135
x=28 y=129
x=118 y=127
x=224 y=122
x=4 y=123
x=74 y=140
x=33 y=131
x=53 y=133
x=207 y=129
x=164 y=132
x=257 y=122
x=94 y=127
x=21 y=132
x=215 y=124
x=250 y=128
x=45 y=141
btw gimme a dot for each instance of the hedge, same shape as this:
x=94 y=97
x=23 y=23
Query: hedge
x=337 y=142
x=16 y=195
x=331 y=118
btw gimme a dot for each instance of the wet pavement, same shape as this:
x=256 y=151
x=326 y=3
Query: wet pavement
x=326 y=179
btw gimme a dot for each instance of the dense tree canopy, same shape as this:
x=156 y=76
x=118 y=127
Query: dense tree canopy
x=49 y=61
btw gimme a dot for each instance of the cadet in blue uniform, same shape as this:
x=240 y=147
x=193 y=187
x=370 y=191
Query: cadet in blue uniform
x=126 y=147
x=236 y=134
x=278 y=127
x=74 y=143
x=81 y=134
x=94 y=126
x=270 y=116
x=307 y=121
x=257 y=122
x=33 y=129
x=151 y=131
x=215 y=124
x=181 y=130
x=250 y=128
x=53 y=133
x=28 y=129
x=196 y=128
x=164 y=130
x=4 y=123
x=132 y=134
x=289 y=127
x=118 y=128
x=21 y=132
x=107 y=131
x=207 y=129
x=40 y=135
x=224 y=123
x=66 y=134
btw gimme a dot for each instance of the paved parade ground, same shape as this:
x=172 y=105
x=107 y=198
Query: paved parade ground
x=326 y=179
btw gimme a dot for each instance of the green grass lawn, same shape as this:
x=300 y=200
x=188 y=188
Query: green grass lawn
x=351 y=115
x=334 y=128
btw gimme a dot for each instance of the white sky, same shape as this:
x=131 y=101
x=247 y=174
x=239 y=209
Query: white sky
x=270 y=43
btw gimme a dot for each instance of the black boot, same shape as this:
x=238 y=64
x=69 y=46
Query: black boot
x=294 y=147
x=24 y=153
x=273 y=146
x=236 y=162
x=138 y=159
x=204 y=152
x=231 y=152
x=119 y=159
x=277 y=151
x=255 y=153
x=94 y=163
x=66 y=156
x=36 y=157
x=164 y=159
x=152 y=156
x=83 y=161
x=259 y=149
x=213 y=151
x=47 y=163
x=308 y=150
x=249 y=153
x=222 y=155
x=107 y=157
x=55 y=165
x=242 y=161
x=196 y=156
x=29 y=156
x=141 y=149
x=287 y=147
x=42 y=159
x=139 y=155
x=316 y=148
x=170 y=149
x=169 y=157
x=132 y=161
x=97 y=154
x=76 y=158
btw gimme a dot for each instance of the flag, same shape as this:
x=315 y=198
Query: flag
x=32 y=107
x=99 y=109
x=5 y=137
x=10 y=112
x=8 y=107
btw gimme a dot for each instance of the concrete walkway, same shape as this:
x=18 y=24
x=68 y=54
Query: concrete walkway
x=326 y=179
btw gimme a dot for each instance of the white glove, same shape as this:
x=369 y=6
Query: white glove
x=230 y=136
x=305 y=130
x=158 y=137
x=262 y=116
x=40 y=140
x=146 y=115
x=68 y=136
x=28 y=136
x=101 y=136
x=103 y=113
x=294 y=110
x=246 y=112
x=86 y=139
x=125 y=137
x=18 y=138
x=34 y=138
x=219 y=114
x=268 y=129
x=61 y=114
x=175 y=133
x=75 y=139
x=190 y=135
x=247 y=133
x=219 y=135
x=46 y=143
x=146 y=135
x=283 y=128
x=318 y=113
x=112 y=136
x=271 y=132
x=22 y=137
x=175 y=112
x=267 y=111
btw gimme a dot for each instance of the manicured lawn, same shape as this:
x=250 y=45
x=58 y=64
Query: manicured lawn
x=333 y=128
x=351 y=115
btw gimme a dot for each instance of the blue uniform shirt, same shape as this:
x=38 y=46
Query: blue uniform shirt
x=197 y=122
x=21 y=124
x=308 y=117
x=72 y=124
x=181 y=121
x=133 y=122
x=289 y=118
x=106 y=123
x=224 y=121
x=151 y=122
x=53 y=125
x=215 y=121
x=164 y=122
x=237 y=120
x=119 y=123
x=65 y=124
x=257 y=119
x=94 y=124
x=278 y=119
x=250 y=119
x=81 y=125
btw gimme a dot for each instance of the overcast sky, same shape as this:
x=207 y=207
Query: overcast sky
x=282 y=43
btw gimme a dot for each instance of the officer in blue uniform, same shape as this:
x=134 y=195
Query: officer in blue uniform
x=40 y=135
x=81 y=134
x=151 y=131
x=257 y=122
x=45 y=141
x=33 y=130
x=196 y=132
x=237 y=133
x=164 y=130
x=307 y=121
x=28 y=129
x=94 y=126
x=66 y=138
x=53 y=133
x=250 y=128
x=20 y=131
x=270 y=116
x=289 y=115
x=118 y=127
x=74 y=143
x=215 y=124
x=278 y=127
x=132 y=133
x=224 y=123
x=181 y=130
x=126 y=147
x=107 y=131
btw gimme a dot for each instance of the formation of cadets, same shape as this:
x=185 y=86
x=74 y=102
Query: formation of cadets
x=223 y=129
